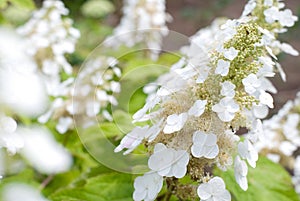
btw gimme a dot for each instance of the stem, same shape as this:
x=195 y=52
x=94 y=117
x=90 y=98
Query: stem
x=46 y=182
x=171 y=184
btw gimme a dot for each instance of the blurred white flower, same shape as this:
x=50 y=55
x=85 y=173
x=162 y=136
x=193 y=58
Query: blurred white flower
x=132 y=139
x=286 y=18
x=147 y=187
x=240 y=173
x=251 y=83
x=248 y=152
x=168 y=162
x=143 y=22
x=228 y=89
x=49 y=37
x=249 y=7
x=8 y=136
x=271 y=14
x=203 y=74
x=213 y=190
x=266 y=99
x=20 y=191
x=222 y=67
x=204 y=145
x=175 y=123
x=230 y=53
x=198 y=108
x=226 y=109
x=43 y=152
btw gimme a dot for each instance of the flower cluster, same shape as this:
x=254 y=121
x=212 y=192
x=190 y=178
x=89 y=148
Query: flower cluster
x=49 y=37
x=281 y=138
x=219 y=86
x=144 y=21
x=94 y=89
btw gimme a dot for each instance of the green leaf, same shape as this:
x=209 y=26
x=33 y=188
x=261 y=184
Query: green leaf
x=27 y=4
x=268 y=181
x=111 y=186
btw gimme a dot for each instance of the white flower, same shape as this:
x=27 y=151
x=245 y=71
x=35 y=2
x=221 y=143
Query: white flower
x=24 y=192
x=214 y=190
x=286 y=18
x=287 y=48
x=256 y=133
x=64 y=123
x=147 y=187
x=230 y=53
x=132 y=139
x=226 y=109
x=290 y=127
x=222 y=67
x=251 y=83
x=204 y=145
x=8 y=138
x=260 y=111
x=271 y=14
x=248 y=152
x=240 y=173
x=153 y=131
x=268 y=2
x=203 y=73
x=266 y=99
x=168 y=162
x=249 y=7
x=43 y=152
x=198 y=108
x=228 y=89
x=287 y=148
x=175 y=123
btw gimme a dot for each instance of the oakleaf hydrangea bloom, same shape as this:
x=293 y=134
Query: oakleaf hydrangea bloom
x=219 y=86
x=142 y=22
x=94 y=90
x=49 y=38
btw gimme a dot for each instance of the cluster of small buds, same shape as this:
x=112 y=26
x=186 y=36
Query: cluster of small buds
x=144 y=21
x=281 y=138
x=94 y=89
x=218 y=87
x=49 y=37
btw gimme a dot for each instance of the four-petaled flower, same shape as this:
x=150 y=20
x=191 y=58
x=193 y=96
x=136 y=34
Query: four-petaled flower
x=175 y=123
x=230 y=53
x=204 y=145
x=198 y=108
x=251 y=83
x=240 y=173
x=226 y=109
x=214 y=190
x=168 y=162
x=222 y=67
x=147 y=187
x=248 y=152
x=228 y=89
